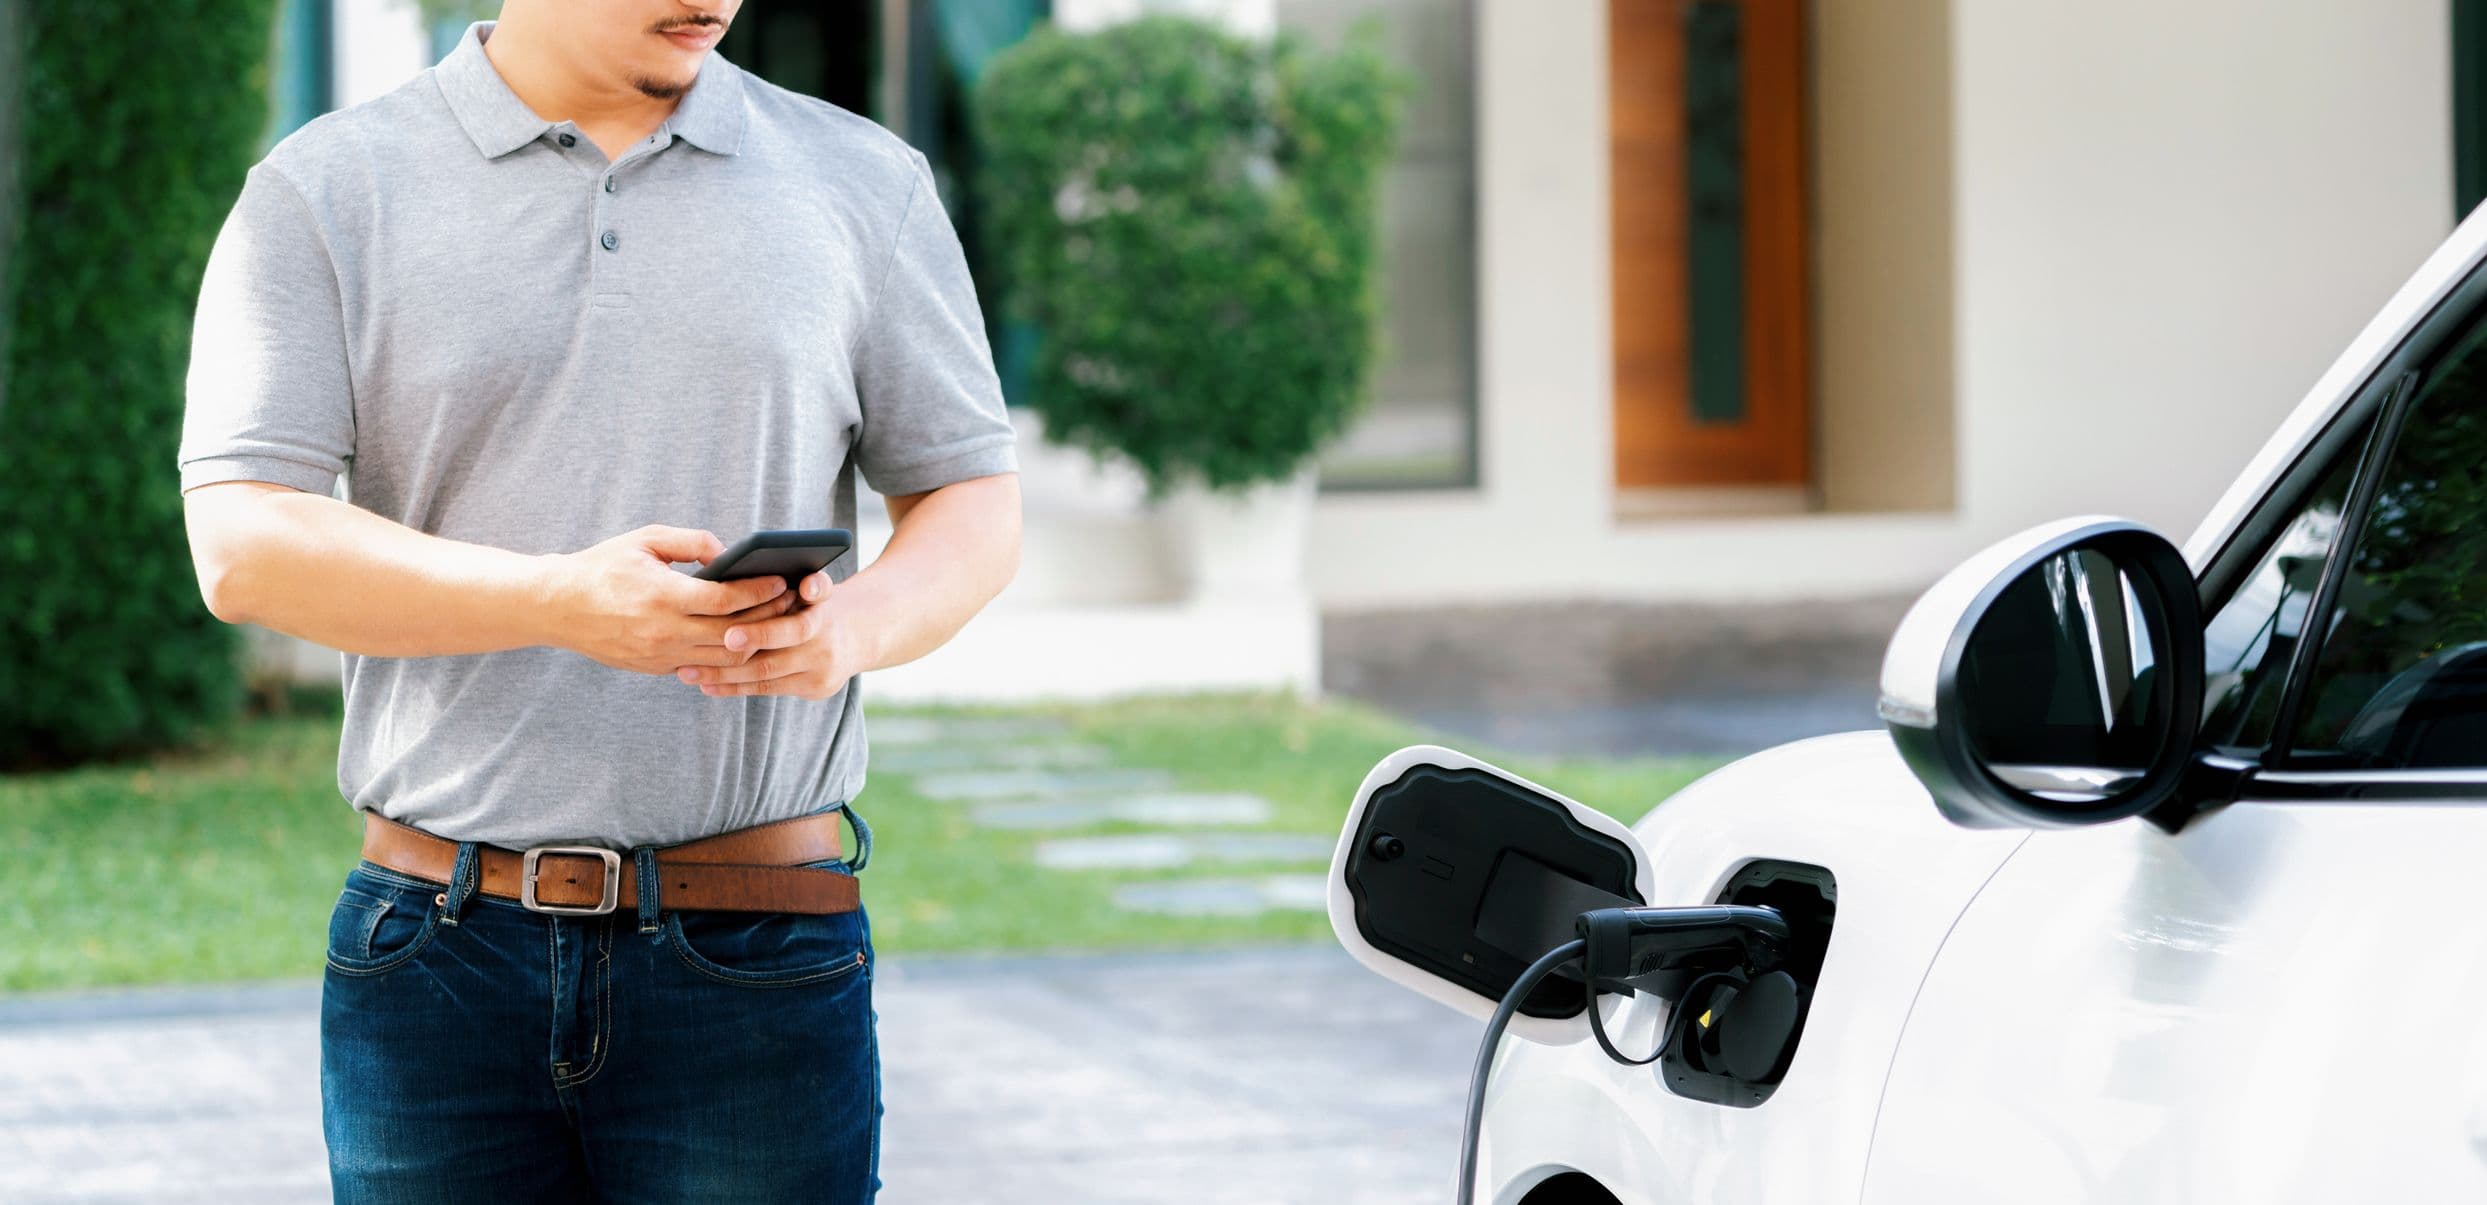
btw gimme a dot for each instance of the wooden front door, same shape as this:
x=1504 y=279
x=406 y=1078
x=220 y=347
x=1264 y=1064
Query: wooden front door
x=1712 y=344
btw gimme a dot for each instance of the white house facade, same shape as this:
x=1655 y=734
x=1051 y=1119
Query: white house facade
x=1966 y=250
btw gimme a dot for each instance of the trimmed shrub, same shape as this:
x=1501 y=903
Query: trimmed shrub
x=140 y=119
x=1188 y=217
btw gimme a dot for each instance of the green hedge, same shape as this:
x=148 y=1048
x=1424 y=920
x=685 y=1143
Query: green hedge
x=1189 y=218
x=140 y=118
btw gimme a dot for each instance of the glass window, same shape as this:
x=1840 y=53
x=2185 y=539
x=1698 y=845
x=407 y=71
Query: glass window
x=301 y=76
x=2401 y=680
x=2248 y=644
x=1419 y=427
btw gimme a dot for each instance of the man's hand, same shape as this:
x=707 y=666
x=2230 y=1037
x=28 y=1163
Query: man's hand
x=950 y=551
x=622 y=603
x=806 y=654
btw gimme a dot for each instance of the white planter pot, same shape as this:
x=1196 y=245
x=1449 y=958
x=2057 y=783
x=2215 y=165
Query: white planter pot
x=1239 y=544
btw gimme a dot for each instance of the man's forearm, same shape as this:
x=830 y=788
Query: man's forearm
x=950 y=552
x=332 y=573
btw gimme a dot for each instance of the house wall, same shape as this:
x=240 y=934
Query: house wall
x=1881 y=96
x=379 y=44
x=2171 y=217
x=1542 y=521
x=2158 y=223
x=2066 y=260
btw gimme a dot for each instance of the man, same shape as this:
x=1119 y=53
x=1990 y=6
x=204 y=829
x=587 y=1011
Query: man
x=575 y=306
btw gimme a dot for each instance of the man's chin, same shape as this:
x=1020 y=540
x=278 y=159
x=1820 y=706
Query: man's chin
x=656 y=87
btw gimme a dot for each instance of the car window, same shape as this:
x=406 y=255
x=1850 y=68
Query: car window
x=2248 y=643
x=2401 y=678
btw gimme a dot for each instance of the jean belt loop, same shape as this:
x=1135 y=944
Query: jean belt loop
x=644 y=861
x=461 y=883
x=863 y=839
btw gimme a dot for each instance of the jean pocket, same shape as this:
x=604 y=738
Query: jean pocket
x=378 y=924
x=769 y=949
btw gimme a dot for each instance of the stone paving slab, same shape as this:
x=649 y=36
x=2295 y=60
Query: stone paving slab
x=1245 y=1076
x=1166 y=809
x=1165 y=851
x=894 y=730
x=1040 y=784
x=1226 y=897
x=927 y=759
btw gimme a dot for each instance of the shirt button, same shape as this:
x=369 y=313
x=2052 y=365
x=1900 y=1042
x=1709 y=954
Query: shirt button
x=569 y=140
x=608 y=184
x=610 y=240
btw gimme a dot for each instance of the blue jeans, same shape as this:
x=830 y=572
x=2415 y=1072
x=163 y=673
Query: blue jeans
x=474 y=1050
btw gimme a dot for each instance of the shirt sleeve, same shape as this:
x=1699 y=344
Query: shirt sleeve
x=932 y=406
x=269 y=395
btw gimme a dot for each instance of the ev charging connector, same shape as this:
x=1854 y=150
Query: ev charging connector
x=1627 y=946
x=1673 y=952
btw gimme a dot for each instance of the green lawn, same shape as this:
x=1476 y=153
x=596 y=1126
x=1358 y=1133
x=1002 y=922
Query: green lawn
x=222 y=864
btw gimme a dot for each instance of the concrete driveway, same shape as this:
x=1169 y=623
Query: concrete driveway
x=1261 y=1075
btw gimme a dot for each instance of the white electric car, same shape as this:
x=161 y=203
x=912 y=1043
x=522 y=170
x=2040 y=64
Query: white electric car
x=2166 y=882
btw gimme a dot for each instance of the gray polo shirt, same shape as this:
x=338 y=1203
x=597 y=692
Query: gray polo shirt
x=495 y=335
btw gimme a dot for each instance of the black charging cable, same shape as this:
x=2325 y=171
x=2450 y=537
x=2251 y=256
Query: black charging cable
x=1666 y=1031
x=1520 y=988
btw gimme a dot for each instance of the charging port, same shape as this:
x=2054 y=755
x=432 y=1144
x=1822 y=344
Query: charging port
x=1731 y=1039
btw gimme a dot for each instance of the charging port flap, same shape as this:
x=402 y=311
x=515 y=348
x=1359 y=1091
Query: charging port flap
x=1452 y=875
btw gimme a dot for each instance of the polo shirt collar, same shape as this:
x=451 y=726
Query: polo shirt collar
x=709 y=116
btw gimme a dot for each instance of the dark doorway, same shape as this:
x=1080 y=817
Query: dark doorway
x=824 y=48
x=912 y=66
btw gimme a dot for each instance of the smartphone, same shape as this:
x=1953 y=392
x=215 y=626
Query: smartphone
x=792 y=555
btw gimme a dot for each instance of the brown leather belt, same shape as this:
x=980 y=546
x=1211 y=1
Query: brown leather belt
x=756 y=869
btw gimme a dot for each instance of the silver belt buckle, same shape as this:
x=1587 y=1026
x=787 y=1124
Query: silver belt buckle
x=612 y=879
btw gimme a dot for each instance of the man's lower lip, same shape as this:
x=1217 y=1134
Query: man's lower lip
x=694 y=36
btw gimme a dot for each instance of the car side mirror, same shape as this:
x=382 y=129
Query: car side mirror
x=1451 y=876
x=2052 y=680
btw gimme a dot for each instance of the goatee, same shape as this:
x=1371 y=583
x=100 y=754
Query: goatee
x=657 y=89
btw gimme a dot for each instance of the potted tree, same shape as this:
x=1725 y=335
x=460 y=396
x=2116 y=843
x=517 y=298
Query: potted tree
x=1188 y=219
